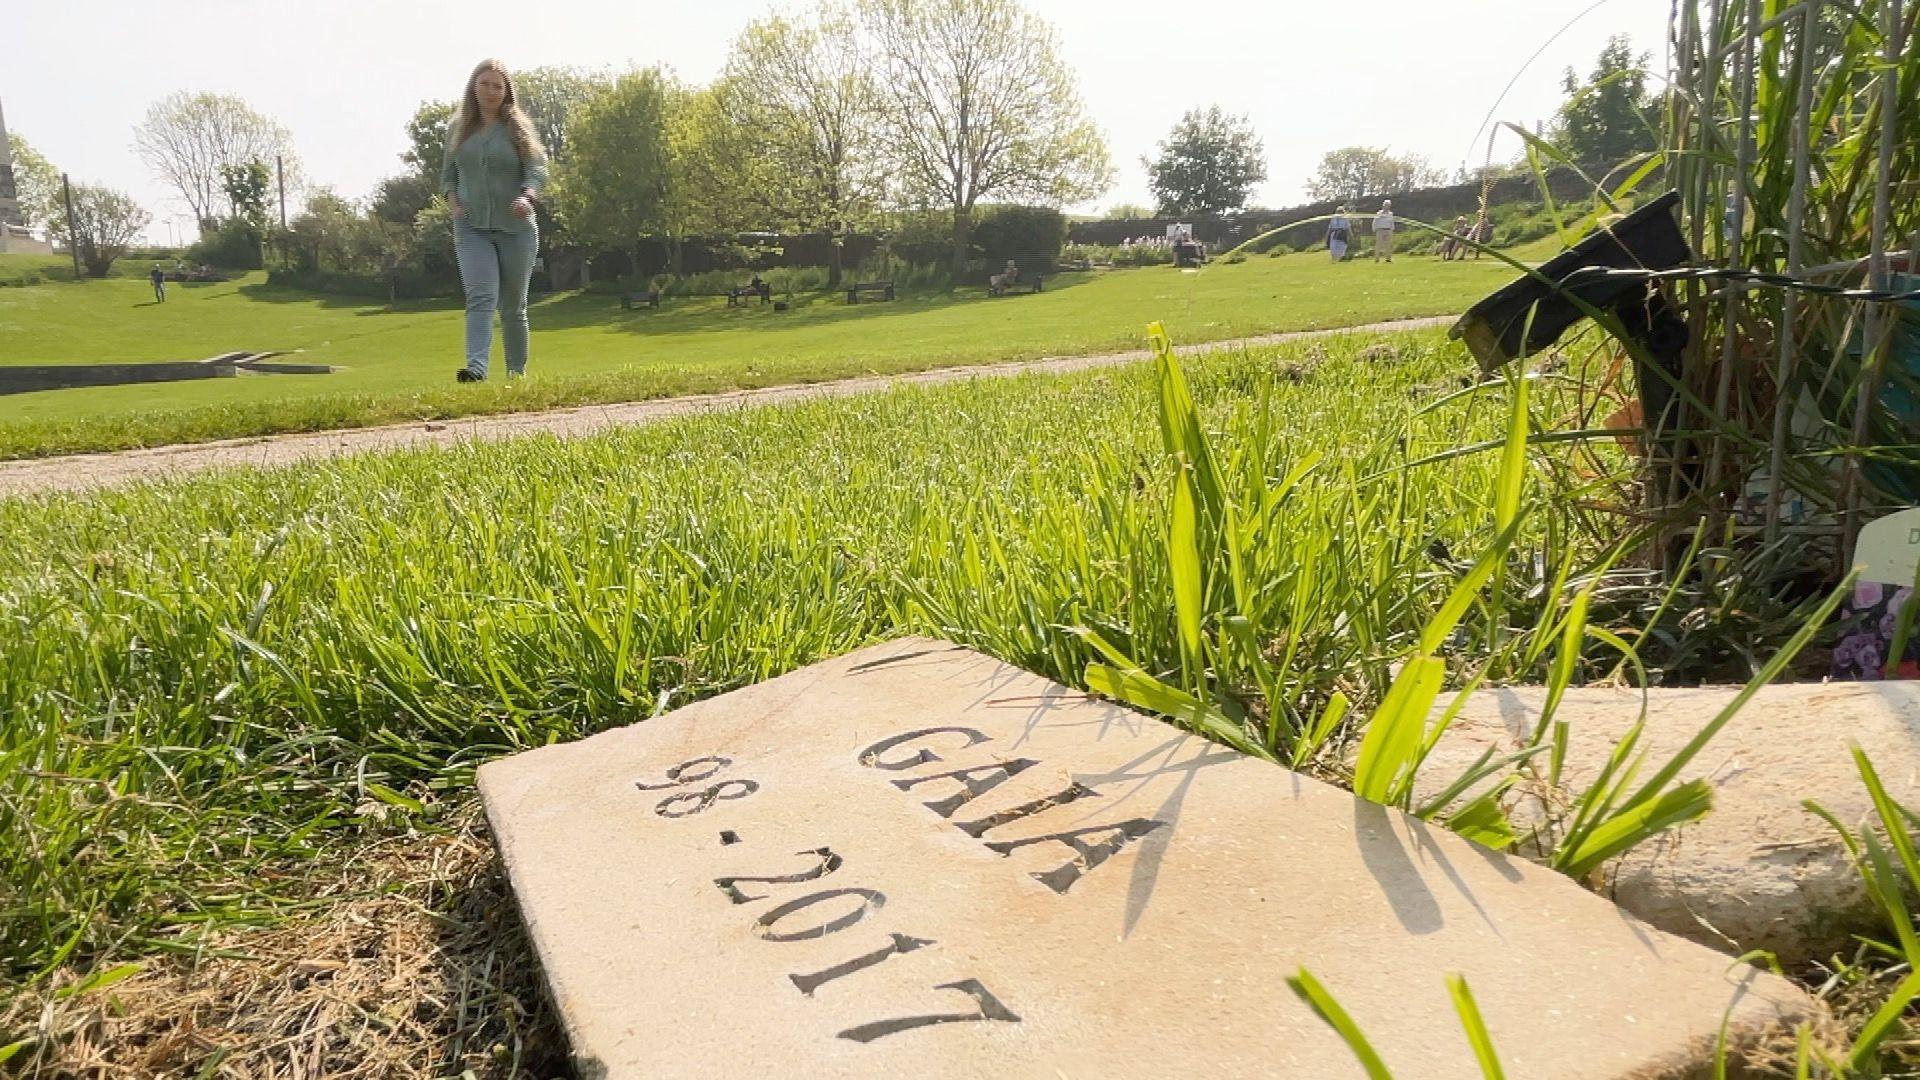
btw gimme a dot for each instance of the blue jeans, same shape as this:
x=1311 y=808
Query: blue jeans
x=495 y=267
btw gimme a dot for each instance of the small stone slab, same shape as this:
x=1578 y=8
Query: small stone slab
x=1759 y=871
x=915 y=860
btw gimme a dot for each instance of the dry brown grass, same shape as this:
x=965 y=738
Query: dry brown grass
x=416 y=967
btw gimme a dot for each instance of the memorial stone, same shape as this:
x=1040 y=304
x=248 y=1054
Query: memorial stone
x=1761 y=870
x=915 y=860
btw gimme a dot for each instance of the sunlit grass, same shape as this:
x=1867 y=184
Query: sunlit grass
x=397 y=364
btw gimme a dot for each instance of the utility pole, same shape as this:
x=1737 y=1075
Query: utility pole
x=73 y=227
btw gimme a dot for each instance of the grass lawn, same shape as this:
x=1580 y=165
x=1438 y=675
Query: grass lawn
x=399 y=361
x=406 y=616
x=244 y=708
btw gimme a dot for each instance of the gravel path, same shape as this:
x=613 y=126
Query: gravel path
x=81 y=471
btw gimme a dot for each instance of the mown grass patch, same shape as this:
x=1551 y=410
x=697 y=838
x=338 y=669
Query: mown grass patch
x=397 y=362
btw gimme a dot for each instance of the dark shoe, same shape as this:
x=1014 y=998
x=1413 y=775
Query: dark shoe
x=468 y=375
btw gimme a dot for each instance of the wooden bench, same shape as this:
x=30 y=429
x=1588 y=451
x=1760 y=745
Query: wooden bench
x=1029 y=284
x=738 y=297
x=651 y=298
x=884 y=288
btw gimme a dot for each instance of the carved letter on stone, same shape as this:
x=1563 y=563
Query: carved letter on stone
x=1087 y=853
x=870 y=900
x=870 y=757
x=901 y=944
x=976 y=782
x=977 y=829
x=986 y=1007
x=829 y=862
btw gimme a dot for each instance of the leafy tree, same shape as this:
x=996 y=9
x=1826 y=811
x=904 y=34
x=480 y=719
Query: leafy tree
x=977 y=104
x=324 y=233
x=615 y=188
x=233 y=244
x=246 y=227
x=246 y=190
x=1499 y=170
x=1128 y=212
x=1353 y=173
x=385 y=248
x=427 y=133
x=187 y=138
x=400 y=199
x=1209 y=164
x=551 y=95
x=1609 y=118
x=36 y=182
x=433 y=240
x=103 y=225
x=720 y=177
x=804 y=90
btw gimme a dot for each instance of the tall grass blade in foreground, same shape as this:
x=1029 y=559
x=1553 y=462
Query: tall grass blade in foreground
x=1328 y=1009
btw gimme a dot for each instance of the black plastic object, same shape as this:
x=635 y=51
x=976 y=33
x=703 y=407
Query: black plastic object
x=1532 y=313
x=1647 y=239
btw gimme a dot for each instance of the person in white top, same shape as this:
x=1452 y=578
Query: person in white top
x=1383 y=232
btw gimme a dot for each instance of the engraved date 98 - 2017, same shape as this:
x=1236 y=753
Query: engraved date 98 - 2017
x=813 y=915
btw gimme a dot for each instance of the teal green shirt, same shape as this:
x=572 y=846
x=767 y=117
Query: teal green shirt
x=485 y=172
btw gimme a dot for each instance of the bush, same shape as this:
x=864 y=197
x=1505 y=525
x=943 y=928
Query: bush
x=1005 y=232
x=920 y=239
x=1143 y=255
x=1118 y=255
x=1278 y=250
x=233 y=245
x=907 y=276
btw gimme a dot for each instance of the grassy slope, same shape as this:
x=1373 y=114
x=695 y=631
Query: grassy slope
x=399 y=361
x=18 y=268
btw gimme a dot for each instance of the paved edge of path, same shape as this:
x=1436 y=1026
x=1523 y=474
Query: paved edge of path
x=78 y=472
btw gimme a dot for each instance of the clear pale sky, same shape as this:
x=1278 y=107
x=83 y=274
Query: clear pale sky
x=1414 y=76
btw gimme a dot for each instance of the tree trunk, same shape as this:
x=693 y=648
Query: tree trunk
x=962 y=227
x=836 y=255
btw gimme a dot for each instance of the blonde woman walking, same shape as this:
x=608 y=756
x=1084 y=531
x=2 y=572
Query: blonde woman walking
x=495 y=168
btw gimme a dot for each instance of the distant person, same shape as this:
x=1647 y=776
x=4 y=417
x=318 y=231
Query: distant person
x=159 y=279
x=1482 y=233
x=1339 y=229
x=1456 y=242
x=494 y=169
x=1383 y=232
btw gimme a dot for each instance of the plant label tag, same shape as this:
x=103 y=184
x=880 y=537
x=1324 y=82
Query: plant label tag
x=1889 y=548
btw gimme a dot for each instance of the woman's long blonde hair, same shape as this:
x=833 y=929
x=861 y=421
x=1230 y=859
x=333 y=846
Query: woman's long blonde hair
x=519 y=126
